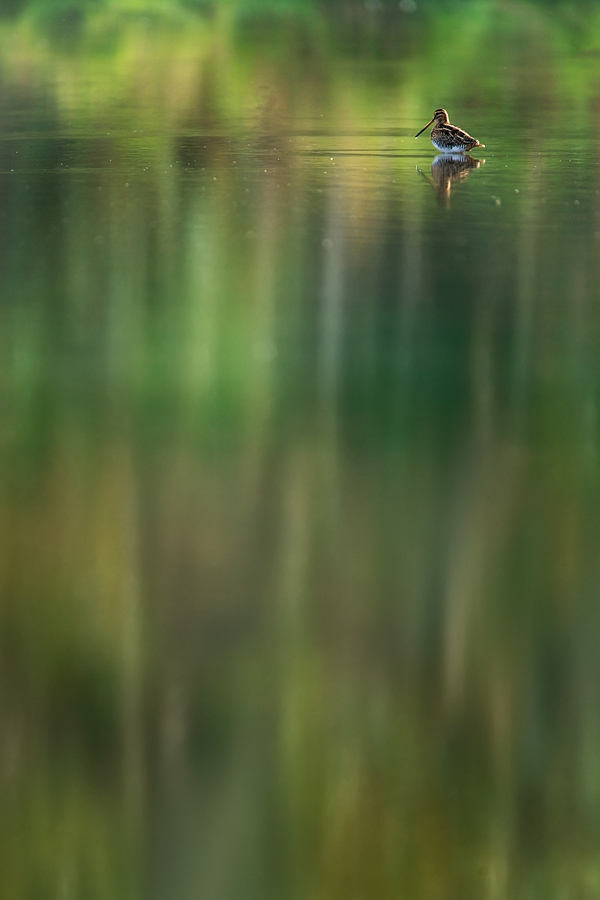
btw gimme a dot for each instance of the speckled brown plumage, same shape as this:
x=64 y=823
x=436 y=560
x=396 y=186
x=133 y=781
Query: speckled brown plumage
x=448 y=138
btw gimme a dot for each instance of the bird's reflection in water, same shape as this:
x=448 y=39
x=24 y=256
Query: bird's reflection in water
x=448 y=168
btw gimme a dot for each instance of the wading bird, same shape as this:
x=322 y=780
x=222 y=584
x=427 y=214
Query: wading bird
x=448 y=138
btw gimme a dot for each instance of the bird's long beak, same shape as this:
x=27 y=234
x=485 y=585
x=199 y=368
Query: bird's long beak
x=426 y=126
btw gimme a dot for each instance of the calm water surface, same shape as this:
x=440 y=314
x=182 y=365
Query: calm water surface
x=299 y=461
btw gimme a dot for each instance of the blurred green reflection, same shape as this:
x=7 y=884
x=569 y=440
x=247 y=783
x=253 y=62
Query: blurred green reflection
x=299 y=484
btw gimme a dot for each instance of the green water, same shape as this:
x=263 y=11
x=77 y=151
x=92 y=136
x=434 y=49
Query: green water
x=299 y=454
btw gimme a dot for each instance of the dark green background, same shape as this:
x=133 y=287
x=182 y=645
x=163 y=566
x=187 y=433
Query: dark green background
x=299 y=452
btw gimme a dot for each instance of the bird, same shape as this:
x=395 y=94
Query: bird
x=448 y=138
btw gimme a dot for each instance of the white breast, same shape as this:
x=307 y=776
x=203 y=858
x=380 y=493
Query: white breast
x=456 y=148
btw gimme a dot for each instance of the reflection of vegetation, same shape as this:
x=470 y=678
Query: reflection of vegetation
x=299 y=516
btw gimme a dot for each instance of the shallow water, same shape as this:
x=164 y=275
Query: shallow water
x=299 y=457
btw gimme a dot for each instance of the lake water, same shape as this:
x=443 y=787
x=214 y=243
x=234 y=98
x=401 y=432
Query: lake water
x=299 y=455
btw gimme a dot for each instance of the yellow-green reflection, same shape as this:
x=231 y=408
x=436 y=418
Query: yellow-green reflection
x=299 y=467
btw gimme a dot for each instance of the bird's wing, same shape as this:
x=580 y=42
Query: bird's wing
x=462 y=135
